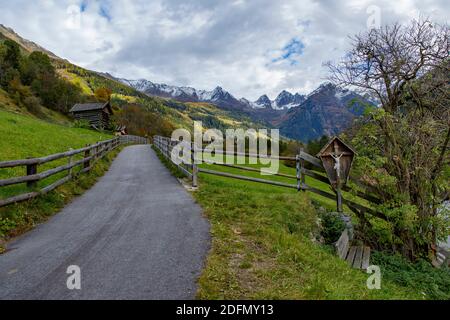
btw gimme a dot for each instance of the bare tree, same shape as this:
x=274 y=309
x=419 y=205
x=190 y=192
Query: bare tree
x=407 y=69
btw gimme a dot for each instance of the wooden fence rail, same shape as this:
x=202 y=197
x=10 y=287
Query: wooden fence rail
x=90 y=155
x=133 y=139
x=165 y=146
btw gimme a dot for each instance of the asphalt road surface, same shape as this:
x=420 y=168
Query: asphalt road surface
x=137 y=234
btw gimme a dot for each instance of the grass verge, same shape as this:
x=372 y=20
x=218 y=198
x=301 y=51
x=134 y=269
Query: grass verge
x=264 y=248
x=169 y=165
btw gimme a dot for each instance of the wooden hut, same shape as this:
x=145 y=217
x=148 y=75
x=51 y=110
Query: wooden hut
x=98 y=114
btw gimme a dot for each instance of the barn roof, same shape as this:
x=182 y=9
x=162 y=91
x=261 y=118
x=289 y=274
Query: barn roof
x=80 y=107
x=330 y=142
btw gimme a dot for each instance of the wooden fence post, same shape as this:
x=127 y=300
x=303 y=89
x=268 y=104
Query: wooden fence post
x=31 y=170
x=98 y=153
x=87 y=154
x=339 y=199
x=70 y=163
x=164 y=142
x=297 y=162
x=194 y=167
x=302 y=168
x=96 y=150
x=165 y=148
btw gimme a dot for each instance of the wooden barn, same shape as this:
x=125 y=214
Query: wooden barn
x=98 y=114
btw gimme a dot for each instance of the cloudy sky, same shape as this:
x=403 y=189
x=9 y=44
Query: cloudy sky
x=249 y=47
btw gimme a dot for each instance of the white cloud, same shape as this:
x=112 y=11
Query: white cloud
x=205 y=43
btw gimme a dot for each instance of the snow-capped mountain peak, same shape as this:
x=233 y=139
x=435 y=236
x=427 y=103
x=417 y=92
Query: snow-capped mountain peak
x=218 y=95
x=262 y=102
x=284 y=98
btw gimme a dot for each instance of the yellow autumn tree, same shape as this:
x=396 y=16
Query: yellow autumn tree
x=103 y=94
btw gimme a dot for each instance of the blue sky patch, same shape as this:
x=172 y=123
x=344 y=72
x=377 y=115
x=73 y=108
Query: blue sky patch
x=291 y=51
x=83 y=6
x=104 y=11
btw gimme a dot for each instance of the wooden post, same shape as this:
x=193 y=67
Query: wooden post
x=96 y=149
x=70 y=163
x=166 y=148
x=302 y=167
x=99 y=151
x=339 y=199
x=194 y=168
x=338 y=183
x=297 y=162
x=87 y=154
x=31 y=170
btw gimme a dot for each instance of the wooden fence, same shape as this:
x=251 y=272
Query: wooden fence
x=133 y=139
x=89 y=156
x=165 y=146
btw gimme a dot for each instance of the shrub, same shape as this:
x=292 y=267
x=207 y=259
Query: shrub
x=431 y=282
x=33 y=104
x=82 y=124
x=332 y=227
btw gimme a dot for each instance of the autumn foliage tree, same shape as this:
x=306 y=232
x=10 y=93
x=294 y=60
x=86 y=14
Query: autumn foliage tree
x=142 y=122
x=32 y=80
x=404 y=146
x=103 y=94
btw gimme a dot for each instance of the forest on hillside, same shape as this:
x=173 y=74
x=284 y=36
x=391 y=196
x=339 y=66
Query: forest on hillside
x=32 y=80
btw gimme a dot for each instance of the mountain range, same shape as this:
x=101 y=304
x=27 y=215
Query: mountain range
x=328 y=110
x=218 y=96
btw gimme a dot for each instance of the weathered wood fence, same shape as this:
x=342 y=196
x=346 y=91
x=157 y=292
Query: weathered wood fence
x=133 y=139
x=89 y=156
x=165 y=146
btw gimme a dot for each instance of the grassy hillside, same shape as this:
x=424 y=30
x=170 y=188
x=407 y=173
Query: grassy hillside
x=263 y=248
x=25 y=136
x=178 y=113
x=283 y=169
x=9 y=104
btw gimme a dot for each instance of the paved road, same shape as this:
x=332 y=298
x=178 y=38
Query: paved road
x=137 y=234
